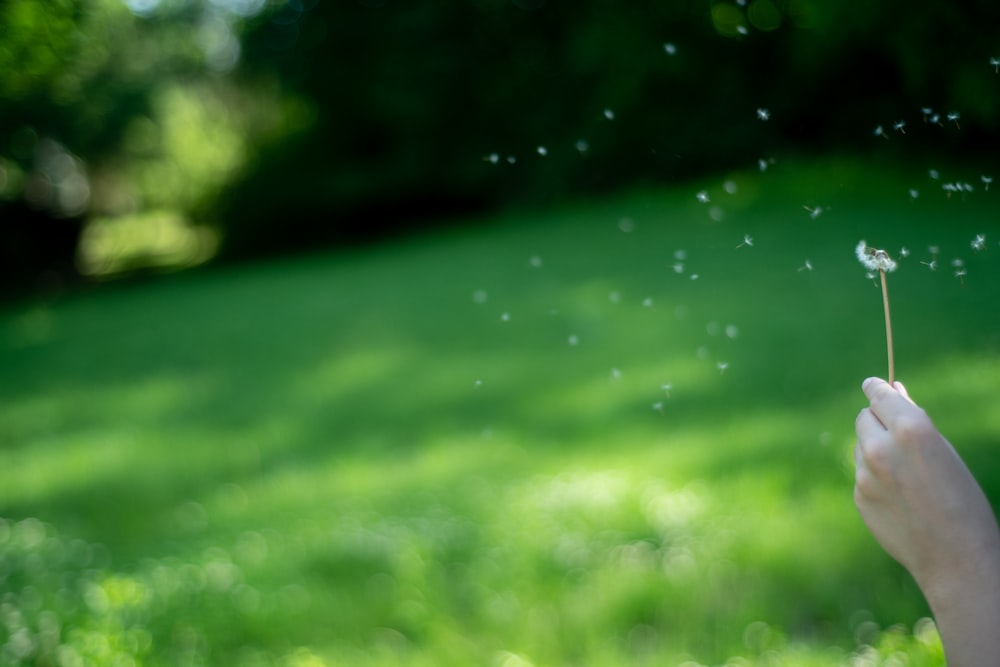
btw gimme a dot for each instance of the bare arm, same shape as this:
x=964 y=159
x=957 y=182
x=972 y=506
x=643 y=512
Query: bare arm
x=922 y=504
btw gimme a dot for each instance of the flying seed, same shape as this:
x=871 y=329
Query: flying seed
x=807 y=266
x=914 y=193
x=670 y=49
x=648 y=302
x=986 y=182
x=763 y=114
x=722 y=366
x=996 y=64
x=542 y=150
x=899 y=125
x=978 y=243
x=954 y=116
x=609 y=114
x=747 y=241
x=678 y=267
x=880 y=132
x=505 y=317
x=582 y=146
x=702 y=197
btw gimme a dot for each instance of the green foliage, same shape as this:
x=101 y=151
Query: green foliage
x=357 y=459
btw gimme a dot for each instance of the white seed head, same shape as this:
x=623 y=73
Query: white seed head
x=874 y=259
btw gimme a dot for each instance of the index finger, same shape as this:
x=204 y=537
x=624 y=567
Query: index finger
x=886 y=401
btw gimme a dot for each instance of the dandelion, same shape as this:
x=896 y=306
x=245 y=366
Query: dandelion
x=986 y=182
x=763 y=114
x=899 y=125
x=747 y=241
x=953 y=117
x=996 y=64
x=978 y=243
x=702 y=197
x=927 y=112
x=936 y=119
x=874 y=259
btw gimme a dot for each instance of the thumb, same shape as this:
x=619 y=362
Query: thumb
x=898 y=386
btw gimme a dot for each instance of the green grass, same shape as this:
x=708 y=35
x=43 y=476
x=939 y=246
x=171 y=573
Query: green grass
x=356 y=459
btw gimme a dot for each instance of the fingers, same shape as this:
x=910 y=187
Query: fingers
x=887 y=402
x=902 y=390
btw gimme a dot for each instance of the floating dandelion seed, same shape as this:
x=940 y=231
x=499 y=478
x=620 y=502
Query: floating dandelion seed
x=666 y=389
x=480 y=296
x=609 y=114
x=573 y=340
x=505 y=317
x=978 y=243
x=680 y=254
x=815 y=212
x=478 y=383
x=932 y=265
x=934 y=174
x=996 y=64
x=880 y=132
x=762 y=164
x=627 y=225
x=615 y=297
x=747 y=241
x=722 y=366
x=535 y=262
x=806 y=267
x=678 y=267
x=904 y=252
x=492 y=158
x=702 y=197
x=953 y=117
x=732 y=331
x=935 y=118
x=542 y=150
x=986 y=182
x=658 y=406
x=914 y=193
x=899 y=126
x=511 y=159
x=670 y=49
x=763 y=114
x=874 y=259
x=648 y=302
x=616 y=374
x=582 y=146
x=743 y=30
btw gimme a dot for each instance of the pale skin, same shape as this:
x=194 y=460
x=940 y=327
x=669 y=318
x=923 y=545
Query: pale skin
x=925 y=508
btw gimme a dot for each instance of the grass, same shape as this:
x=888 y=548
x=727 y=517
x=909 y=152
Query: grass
x=457 y=449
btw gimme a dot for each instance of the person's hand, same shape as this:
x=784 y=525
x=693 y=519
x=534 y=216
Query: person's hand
x=914 y=493
x=923 y=505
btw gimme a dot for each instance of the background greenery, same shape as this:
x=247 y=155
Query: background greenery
x=588 y=400
x=458 y=449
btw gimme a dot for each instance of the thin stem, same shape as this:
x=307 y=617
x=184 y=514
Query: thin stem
x=888 y=328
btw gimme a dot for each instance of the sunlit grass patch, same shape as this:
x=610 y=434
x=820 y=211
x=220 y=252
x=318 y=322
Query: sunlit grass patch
x=558 y=439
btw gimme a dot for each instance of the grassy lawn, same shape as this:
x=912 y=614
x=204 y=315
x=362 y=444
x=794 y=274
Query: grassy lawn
x=459 y=449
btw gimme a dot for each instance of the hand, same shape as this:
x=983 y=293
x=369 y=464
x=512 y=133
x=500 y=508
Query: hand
x=923 y=505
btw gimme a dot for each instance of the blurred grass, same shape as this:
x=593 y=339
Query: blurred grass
x=458 y=449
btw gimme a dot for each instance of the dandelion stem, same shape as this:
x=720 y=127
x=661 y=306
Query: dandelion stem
x=888 y=328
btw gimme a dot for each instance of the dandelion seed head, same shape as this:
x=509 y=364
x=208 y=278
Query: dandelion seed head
x=694 y=276
x=762 y=164
x=658 y=406
x=995 y=61
x=880 y=132
x=747 y=241
x=807 y=266
x=953 y=115
x=873 y=258
x=899 y=125
x=492 y=158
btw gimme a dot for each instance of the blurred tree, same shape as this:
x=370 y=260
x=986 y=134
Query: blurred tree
x=286 y=123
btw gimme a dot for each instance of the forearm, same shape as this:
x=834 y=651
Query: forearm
x=966 y=607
